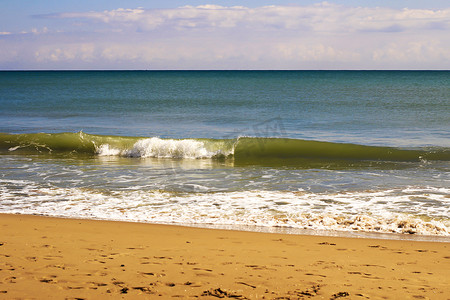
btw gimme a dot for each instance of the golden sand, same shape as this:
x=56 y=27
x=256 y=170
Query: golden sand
x=51 y=258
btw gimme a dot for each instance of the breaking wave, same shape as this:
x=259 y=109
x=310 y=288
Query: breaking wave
x=243 y=149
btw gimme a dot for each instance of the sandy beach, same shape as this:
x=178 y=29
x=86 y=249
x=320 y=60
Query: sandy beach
x=43 y=258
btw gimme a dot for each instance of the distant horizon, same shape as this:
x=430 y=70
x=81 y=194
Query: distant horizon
x=230 y=70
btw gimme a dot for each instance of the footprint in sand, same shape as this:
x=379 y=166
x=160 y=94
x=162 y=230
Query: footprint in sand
x=326 y=243
x=339 y=295
x=162 y=257
x=98 y=284
x=222 y=293
x=146 y=274
x=143 y=289
x=311 y=274
x=31 y=258
x=11 y=279
x=300 y=294
x=47 y=280
x=202 y=269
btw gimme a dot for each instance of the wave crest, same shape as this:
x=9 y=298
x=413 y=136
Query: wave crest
x=243 y=149
x=161 y=148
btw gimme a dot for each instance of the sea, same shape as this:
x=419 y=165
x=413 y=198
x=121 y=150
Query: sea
x=353 y=153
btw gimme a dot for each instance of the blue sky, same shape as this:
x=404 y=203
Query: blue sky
x=231 y=34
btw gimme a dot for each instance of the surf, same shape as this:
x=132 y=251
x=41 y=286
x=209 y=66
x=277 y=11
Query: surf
x=241 y=149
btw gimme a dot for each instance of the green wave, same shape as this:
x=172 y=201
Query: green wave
x=249 y=148
x=244 y=149
x=60 y=142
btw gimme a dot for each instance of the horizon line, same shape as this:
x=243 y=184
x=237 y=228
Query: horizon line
x=212 y=70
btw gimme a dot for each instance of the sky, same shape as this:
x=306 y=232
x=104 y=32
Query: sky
x=216 y=35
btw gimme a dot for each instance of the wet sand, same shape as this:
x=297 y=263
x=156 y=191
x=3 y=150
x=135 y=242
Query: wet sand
x=51 y=258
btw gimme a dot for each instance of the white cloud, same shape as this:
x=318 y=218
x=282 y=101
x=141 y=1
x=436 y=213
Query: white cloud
x=319 y=17
x=323 y=35
x=66 y=52
x=412 y=51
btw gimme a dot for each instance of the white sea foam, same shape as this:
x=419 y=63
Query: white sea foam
x=107 y=150
x=14 y=148
x=370 y=211
x=160 y=148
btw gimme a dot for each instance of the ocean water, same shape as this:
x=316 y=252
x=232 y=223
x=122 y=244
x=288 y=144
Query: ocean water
x=322 y=151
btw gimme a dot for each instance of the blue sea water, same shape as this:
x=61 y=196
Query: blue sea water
x=324 y=150
x=398 y=108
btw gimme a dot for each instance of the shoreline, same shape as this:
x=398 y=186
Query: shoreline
x=320 y=232
x=276 y=229
x=84 y=259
